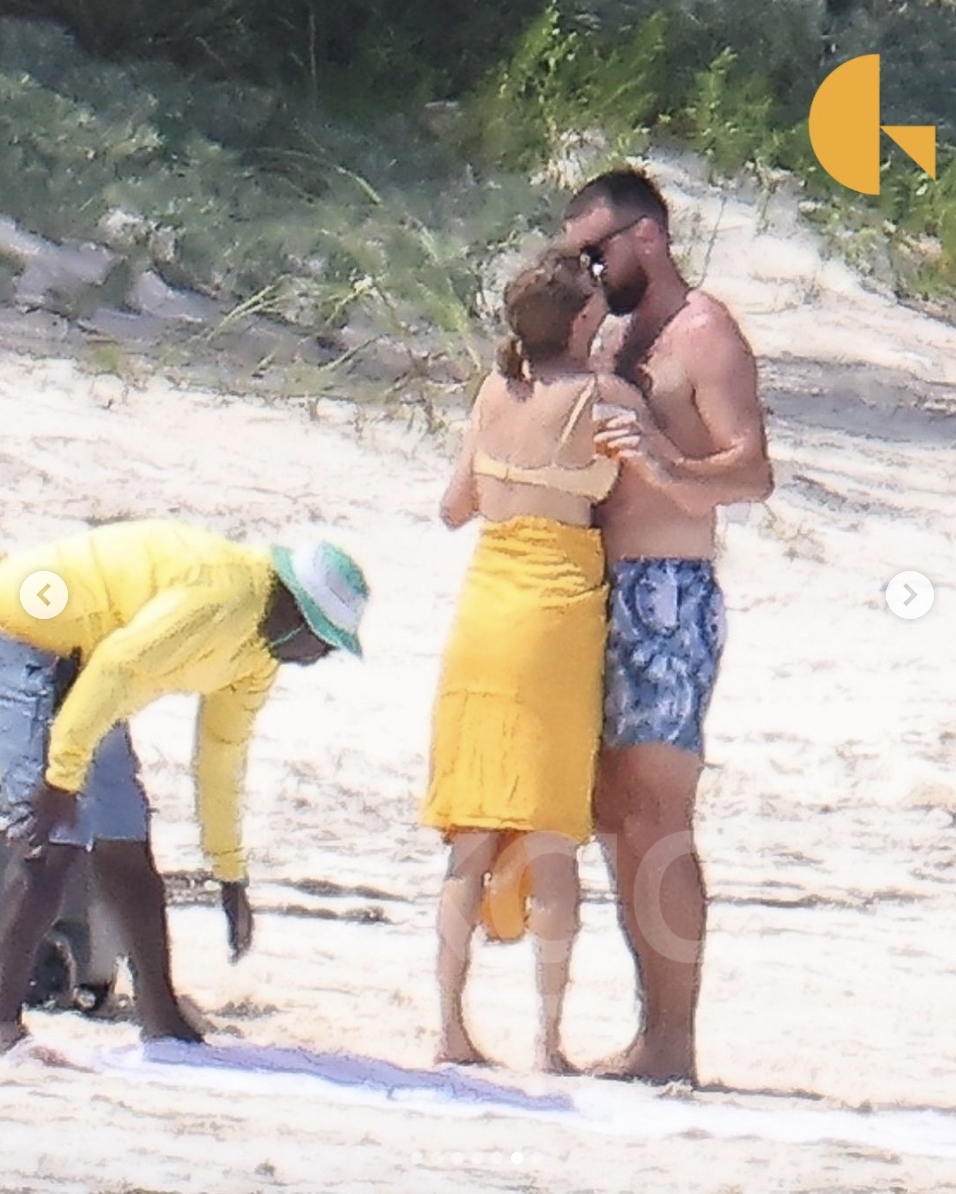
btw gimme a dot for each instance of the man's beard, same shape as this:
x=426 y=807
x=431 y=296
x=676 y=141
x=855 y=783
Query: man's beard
x=626 y=296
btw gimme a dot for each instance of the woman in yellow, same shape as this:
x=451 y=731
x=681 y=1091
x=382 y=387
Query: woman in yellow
x=518 y=712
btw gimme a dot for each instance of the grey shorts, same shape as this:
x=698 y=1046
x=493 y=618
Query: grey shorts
x=665 y=638
x=113 y=805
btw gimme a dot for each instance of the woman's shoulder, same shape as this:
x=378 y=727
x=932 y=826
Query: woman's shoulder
x=500 y=393
x=497 y=388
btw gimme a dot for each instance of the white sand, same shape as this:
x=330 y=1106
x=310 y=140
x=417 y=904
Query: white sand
x=825 y=815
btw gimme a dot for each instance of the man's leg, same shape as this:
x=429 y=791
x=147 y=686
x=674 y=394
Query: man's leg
x=664 y=646
x=644 y=806
x=30 y=898
x=472 y=856
x=131 y=887
x=32 y=889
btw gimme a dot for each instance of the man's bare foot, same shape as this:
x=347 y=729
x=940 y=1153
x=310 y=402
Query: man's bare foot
x=179 y=1020
x=553 y=1061
x=12 y=1033
x=645 y=1062
x=194 y=1015
x=176 y=1028
x=457 y=1048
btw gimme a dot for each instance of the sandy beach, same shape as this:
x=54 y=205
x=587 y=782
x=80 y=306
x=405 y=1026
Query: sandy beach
x=827 y=819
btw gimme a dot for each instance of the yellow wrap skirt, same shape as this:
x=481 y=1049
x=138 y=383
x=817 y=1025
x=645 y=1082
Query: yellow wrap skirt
x=517 y=717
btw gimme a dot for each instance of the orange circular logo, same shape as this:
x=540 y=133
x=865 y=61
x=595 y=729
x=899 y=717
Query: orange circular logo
x=845 y=127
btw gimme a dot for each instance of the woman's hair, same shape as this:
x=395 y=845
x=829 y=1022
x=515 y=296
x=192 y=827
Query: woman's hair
x=541 y=304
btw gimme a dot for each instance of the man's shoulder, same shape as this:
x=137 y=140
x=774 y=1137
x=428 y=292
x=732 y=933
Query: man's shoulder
x=708 y=322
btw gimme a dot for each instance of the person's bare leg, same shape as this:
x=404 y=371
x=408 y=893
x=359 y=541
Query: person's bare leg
x=555 y=899
x=29 y=902
x=644 y=810
x=133 y=889
x=472 y=854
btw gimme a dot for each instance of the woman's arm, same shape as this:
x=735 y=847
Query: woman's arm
x=459 y=503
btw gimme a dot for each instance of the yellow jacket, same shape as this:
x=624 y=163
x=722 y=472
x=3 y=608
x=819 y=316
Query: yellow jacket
x=155 y=608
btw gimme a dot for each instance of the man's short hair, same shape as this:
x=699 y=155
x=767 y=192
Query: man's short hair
x=627 y=192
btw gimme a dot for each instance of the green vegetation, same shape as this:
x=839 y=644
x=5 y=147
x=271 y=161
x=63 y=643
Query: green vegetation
x=353 y=57
x=235 y=192
x=364 y=166
x=733 y=80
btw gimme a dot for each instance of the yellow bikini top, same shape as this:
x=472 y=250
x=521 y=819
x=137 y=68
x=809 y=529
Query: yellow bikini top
x=593 y=481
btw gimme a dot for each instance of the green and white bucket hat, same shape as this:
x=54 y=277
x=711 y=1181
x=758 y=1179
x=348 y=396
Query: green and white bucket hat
x=329 y=588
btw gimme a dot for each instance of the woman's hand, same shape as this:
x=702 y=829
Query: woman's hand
x=626 y=438
x=621 y=435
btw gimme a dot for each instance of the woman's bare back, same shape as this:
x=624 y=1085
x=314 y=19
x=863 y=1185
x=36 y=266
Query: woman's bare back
x=521 y=423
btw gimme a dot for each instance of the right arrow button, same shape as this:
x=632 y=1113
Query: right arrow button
x=910 y=595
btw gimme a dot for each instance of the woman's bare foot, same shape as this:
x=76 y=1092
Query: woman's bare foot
x=457 y=1048
x=646 y=1062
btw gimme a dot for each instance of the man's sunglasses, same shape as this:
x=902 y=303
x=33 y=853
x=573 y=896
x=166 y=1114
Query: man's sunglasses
x=593 y=254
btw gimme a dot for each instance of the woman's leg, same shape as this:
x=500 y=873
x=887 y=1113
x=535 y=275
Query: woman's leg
x=555 y=896
x=472 y=853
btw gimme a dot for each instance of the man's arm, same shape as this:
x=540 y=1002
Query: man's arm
x=724 y=376
x=128 y=670
x=226 y=720
x=625 y=438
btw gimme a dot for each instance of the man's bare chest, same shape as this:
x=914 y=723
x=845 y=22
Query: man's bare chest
x=655 y=364
x=668 y=392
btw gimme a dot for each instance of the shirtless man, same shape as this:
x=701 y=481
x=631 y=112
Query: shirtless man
x=696 y=442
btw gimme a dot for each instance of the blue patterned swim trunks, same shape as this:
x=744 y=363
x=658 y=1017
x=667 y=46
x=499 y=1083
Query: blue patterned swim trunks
x=664 y=643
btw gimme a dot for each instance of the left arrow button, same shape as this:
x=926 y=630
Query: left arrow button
x=44 y=595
